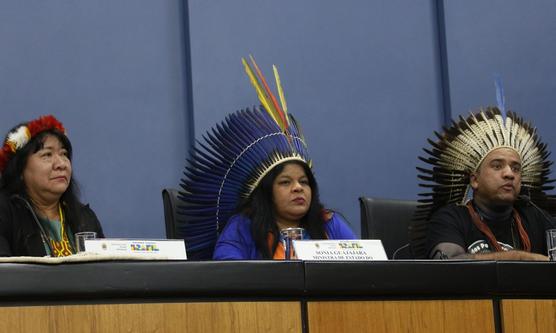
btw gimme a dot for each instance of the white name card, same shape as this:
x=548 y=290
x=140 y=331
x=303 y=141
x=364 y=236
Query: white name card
x=340 y=250
x=171 y=249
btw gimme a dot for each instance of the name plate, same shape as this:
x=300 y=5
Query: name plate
x=340 y=250
x=171 y=249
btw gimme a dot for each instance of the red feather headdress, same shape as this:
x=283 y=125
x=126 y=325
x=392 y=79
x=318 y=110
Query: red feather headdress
x=19 y=136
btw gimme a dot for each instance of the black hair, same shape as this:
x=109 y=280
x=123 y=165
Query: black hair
x=259 y=207
x=11 y=181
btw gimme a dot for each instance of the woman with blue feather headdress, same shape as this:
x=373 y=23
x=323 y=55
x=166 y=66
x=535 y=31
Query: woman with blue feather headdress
x=250 y=179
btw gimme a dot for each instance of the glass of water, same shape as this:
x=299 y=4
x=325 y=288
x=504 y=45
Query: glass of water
x=551 y=244
x=288 y=236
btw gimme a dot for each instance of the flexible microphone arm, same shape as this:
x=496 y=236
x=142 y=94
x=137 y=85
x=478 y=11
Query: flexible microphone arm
x=528 y=200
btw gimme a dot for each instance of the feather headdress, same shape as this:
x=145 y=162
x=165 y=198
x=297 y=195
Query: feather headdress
x=460 y=150
x=232 y=159
x=20 y=135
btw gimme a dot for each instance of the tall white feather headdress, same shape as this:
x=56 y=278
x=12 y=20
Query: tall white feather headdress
x=460 y=150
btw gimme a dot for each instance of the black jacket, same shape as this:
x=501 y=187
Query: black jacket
x=20 y=231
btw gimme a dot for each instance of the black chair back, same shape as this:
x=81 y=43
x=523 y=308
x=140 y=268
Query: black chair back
x=170 y=201
x=388 y=220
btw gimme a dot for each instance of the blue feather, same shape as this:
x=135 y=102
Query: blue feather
x=500 y=99
x=217 y=174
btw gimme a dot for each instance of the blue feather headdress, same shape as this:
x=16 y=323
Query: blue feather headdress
x=230 y=162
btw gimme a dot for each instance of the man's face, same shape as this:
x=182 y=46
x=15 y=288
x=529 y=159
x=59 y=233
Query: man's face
x=498 y=179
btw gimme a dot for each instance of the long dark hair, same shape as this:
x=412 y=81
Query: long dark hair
x=12 y=184
x=259 y=207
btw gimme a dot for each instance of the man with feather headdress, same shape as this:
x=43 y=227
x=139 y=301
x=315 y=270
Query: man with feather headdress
x=488 y=179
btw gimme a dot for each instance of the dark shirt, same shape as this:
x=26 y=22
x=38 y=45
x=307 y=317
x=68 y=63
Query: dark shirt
x=20 y=233
x=453 y=224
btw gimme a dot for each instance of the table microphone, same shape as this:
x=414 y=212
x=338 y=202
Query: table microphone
x=398 y=250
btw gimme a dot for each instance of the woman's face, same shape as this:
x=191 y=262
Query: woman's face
x=291 y=195
x=47 y=173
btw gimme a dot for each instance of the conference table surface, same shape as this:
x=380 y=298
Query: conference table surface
x=213 y=280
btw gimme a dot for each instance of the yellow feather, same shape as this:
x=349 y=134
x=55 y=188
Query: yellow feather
x=260 y=91
x=281 y=93
x=267 y=95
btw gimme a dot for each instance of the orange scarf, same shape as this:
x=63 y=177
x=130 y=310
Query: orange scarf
x=279 y=253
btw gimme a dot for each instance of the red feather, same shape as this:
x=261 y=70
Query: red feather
x=269 y=93
x=44 y=123
x=36 y=126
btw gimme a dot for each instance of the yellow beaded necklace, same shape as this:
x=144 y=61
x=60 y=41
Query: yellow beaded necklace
x=61 y=248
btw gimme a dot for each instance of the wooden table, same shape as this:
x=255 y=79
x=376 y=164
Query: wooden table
x=273 y=296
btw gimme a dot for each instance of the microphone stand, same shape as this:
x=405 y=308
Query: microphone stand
x=548 y=218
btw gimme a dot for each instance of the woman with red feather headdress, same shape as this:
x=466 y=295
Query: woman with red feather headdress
x=39 y=207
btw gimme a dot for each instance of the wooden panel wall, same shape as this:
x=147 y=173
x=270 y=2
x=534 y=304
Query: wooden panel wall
x=333 y=316
x=522 y=315
x=401 y=316
x=155 y=317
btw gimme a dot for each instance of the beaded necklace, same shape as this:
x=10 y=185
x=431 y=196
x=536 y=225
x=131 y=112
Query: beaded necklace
x=62 y=247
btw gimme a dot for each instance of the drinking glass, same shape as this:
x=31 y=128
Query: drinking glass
x=288 y=235
x=80 y=238
x=551 y=244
